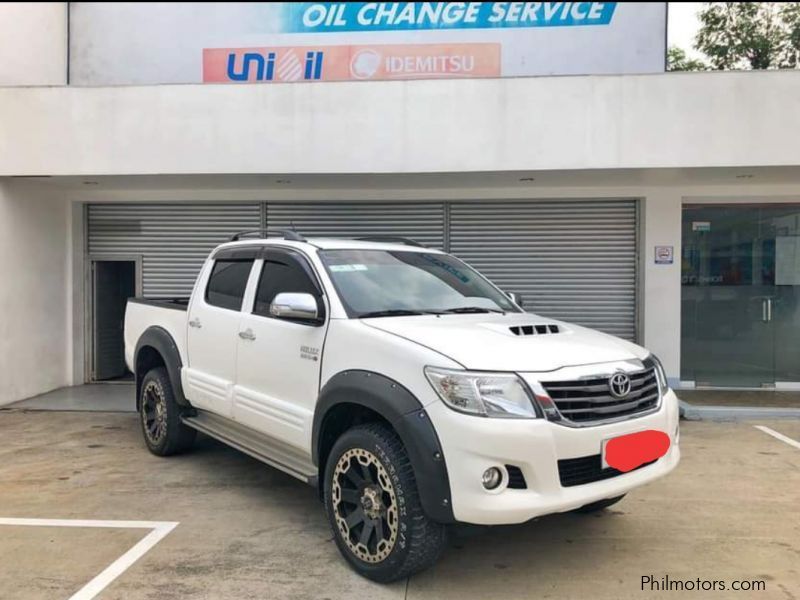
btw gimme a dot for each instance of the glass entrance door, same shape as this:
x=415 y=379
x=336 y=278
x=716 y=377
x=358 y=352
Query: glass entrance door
x=740 y=282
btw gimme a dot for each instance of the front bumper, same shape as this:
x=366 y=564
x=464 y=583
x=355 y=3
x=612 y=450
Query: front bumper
x=473 y=444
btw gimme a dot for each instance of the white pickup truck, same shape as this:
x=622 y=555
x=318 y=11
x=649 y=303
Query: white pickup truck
x=403 y=384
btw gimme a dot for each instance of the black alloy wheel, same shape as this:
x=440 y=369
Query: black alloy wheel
x=160 y=415
x=365 y=505
x=374 y=508
x=154 y=412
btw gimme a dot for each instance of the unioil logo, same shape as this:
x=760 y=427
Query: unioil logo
x=342 y=63
x=263 y=65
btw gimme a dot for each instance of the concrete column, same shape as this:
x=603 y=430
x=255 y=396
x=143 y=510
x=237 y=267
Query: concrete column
x=33 y=294
x=662 y=282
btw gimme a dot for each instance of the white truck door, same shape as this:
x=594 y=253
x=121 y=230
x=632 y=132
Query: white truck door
x=214 y=316
x=277 y=378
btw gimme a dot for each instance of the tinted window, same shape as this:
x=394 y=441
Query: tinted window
x=380 y=280
x=281 y=274
x=227 y=283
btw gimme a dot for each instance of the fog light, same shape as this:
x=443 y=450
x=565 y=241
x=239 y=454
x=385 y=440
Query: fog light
x=492 y=478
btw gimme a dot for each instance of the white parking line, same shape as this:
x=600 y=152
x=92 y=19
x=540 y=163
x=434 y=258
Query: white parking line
x=778 y=436
x=159 y=530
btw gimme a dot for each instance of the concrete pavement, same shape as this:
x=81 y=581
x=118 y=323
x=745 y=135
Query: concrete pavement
x=730 y=511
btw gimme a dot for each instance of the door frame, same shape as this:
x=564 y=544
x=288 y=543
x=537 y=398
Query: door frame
x=89 y=314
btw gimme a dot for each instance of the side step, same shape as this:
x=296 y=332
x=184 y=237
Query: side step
x=261 y=447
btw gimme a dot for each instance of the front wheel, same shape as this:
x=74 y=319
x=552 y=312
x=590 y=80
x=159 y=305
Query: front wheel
x=373 y=506
x=160 y=416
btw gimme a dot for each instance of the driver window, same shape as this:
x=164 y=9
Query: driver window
x=280 y=274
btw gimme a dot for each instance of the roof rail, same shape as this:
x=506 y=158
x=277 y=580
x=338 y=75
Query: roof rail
x=265 y=233
x=390 y=238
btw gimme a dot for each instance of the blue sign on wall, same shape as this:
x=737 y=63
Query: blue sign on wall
x=326 y=17
x=360 y=40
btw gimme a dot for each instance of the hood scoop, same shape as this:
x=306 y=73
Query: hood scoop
x=524 y=330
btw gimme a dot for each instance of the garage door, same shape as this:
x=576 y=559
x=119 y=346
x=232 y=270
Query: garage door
x=570 y=260
x=172 y=239
x=421 y=221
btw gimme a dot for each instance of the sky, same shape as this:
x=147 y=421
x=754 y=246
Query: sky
x=683 y=25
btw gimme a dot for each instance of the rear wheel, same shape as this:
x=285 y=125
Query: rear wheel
x=599 y=505
x=160 y=416
x=373 y=506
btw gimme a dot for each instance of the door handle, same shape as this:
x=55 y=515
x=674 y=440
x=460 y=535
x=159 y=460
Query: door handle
x=764 y=310
x=769 y=309
x=248 y=335
x=195 y=323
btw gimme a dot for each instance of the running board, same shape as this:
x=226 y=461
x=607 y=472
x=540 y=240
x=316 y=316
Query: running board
x=258 y=445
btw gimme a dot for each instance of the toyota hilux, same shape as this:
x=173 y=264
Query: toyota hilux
x=406 y=387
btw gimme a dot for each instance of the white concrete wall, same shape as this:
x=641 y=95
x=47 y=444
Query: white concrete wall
x=661 y=306
x=33 y=43
x=41 y=246
x=660 y=285
x=34 y=308
x=648 y=125
x=529 y=124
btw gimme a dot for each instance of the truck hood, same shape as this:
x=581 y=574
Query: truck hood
x=512 y=342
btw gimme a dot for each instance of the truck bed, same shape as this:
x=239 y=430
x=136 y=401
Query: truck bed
x=170 y=314
x=173 y=303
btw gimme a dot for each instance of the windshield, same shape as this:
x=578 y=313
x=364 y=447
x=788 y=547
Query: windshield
x=394 y=283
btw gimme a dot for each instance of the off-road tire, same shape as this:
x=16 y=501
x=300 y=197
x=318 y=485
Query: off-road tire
x=599 y=505
x=168 y=435
x=419 y=541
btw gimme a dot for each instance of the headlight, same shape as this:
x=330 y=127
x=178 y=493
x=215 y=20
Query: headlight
x=501 y=395
x=661 y=375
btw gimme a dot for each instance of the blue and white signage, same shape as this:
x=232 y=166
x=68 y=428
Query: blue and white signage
x=664 y=255
x=321 y=17
x=269 y=42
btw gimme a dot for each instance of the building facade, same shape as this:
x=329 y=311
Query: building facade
x=660 y=207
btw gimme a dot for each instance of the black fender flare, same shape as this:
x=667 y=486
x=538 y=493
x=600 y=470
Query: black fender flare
x=409 y=419
x=161 y=341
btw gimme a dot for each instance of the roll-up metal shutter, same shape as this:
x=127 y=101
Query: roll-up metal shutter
x=421 y=221
x=172 y=239
x=570 y=260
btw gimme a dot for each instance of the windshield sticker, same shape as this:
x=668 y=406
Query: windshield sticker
x=443 y=265
x=347 y=268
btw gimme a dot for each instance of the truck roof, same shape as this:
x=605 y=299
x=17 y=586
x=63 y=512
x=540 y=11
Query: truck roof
x=331 y=244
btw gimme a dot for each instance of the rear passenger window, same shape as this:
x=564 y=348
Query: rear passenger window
x=227 y=283
x=280 y=275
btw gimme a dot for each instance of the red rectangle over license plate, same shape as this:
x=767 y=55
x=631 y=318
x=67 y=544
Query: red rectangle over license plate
x=626 y=452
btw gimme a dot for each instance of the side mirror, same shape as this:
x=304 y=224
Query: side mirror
x=289 y=305
x=515 y=298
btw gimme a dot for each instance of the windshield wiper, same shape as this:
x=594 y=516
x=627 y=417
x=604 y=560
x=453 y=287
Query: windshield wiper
x=473 y=310
x=393 y=312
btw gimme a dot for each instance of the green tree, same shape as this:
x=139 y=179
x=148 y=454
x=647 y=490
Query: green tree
x=678 y=61
x=790 y=14
x=750 y=35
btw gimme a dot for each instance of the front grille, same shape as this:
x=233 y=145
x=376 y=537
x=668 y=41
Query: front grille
x=587 y=469
x=587 y=400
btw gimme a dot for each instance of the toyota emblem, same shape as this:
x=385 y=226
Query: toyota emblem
x=619 y=384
